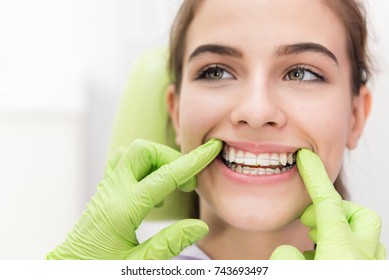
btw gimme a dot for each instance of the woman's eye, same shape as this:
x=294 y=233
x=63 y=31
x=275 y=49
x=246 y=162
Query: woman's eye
x=213 y=73
x=304 y=75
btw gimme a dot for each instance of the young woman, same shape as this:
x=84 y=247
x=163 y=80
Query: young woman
x=283 y=88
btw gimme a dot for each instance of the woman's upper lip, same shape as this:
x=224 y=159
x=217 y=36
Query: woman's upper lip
x=265 y=147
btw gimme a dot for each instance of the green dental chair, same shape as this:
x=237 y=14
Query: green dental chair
x=143 y=113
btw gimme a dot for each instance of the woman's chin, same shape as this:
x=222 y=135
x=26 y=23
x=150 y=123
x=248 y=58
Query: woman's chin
x=252 y=215
x=261 y=221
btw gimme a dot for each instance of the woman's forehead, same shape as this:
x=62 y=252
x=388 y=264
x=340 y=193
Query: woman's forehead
x=265 y=25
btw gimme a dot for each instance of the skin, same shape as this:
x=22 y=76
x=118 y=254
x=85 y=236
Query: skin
x=257 y=106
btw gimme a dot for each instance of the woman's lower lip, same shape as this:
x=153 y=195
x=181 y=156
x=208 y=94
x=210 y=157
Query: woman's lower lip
x=256 y=179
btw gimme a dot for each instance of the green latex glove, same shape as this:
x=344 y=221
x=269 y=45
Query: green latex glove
x=340 y=229
x=135 y=181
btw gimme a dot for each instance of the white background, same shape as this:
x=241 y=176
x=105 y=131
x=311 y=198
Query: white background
x=63 y=67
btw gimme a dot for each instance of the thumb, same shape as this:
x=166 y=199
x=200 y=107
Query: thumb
x=170 y=241
x=286 y=252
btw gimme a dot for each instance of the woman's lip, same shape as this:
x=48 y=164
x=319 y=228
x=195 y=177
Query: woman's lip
x=255 y=179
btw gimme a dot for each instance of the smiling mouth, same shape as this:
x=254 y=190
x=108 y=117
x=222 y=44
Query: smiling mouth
x=262 y=164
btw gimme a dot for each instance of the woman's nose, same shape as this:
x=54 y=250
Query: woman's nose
x=257 y=107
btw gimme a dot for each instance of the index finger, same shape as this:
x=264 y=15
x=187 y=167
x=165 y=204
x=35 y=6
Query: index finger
x=327 y=201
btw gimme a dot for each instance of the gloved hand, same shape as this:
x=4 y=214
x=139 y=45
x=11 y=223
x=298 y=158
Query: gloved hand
x=136 y=180
x=340 y=229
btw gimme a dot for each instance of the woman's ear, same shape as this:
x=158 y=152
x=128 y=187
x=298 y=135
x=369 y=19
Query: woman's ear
x=361 y=110
x=173 y=104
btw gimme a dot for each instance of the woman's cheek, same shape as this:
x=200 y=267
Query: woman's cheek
x=199 y=114
x=327 y=131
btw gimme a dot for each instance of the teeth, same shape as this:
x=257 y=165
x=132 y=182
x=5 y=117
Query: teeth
x=283 y=159
x=239 y=156
x=250 y=159
x=263 y=159
x=233 y=155
x=290 y=159
x=269 y=171
x=274 y=159
x=246 y=170
x=256 y=170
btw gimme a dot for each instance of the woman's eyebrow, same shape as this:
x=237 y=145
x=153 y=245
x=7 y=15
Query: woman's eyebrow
x=280 y=51
x=305 y=47
x=215 y=49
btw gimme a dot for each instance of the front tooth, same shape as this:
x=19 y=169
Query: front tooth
x=263 y=159
x=290 y=159
x=246 y=170
x=261 y=171
x=283 y=158
x=250 y=159
x=231 y=154
x=274 y=159
x=269 y=171
x=239 y=157
x=238 y=169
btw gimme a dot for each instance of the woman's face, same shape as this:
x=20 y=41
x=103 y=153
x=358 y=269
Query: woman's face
x=267 y=78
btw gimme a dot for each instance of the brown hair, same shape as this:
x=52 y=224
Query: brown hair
x=353 y=16
x=178 y=33
x=350 y=12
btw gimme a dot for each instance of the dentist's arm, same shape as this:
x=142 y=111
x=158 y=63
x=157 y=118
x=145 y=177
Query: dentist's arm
x=136 y=180
x=340 y=229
